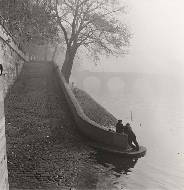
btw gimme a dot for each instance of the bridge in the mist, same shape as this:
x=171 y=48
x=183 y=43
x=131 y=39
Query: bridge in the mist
x=127 y=79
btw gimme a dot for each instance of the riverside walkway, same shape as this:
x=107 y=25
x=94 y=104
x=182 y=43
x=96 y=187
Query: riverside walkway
x=43 y=147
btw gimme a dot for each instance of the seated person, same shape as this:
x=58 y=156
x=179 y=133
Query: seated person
x=119 y=126
x=131 y=137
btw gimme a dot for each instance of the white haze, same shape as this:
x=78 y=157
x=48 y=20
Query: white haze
x=158 y=42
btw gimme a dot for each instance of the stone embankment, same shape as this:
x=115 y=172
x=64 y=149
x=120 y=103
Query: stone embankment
x=44 y=148
x=11 y=60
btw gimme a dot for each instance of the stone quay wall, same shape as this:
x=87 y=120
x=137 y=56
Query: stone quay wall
x=87 y=127
x=12 y=60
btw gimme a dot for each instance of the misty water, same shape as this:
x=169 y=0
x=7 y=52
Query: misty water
x=157 y=106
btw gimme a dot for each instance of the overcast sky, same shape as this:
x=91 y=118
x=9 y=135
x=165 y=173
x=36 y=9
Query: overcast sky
x=158 y=43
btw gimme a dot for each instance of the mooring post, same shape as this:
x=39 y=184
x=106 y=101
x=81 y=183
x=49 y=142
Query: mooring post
x=131 y=116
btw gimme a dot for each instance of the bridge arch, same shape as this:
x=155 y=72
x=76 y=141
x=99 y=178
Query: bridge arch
x=127 y=80
x=115 y=85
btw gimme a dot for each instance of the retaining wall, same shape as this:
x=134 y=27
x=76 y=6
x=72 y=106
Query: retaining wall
x=87 y=127
x=12 y=60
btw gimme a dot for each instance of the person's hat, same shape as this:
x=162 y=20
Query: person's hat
x=119 y=120
x=128 y=124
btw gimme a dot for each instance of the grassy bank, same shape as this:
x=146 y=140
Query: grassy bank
x=94 y=110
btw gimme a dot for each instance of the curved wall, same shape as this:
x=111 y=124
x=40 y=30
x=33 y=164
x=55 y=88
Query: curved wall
x=87 y=127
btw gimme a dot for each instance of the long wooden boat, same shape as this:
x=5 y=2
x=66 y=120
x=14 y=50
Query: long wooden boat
x=100 y=138
x=114 y=150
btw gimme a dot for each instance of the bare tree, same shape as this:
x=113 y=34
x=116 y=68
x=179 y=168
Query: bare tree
x=93 y=25
x=29 y=20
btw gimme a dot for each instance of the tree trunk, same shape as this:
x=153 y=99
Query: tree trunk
x=54 y=53
x=45 y=56
x=68 y=63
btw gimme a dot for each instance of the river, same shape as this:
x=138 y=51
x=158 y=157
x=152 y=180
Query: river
x=157 y=106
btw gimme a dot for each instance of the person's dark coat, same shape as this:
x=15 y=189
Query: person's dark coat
x=119 y=127
x=131 y=137
x=129 y=132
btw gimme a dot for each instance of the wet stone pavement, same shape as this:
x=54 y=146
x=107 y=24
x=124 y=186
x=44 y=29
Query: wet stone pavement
x=44 y=149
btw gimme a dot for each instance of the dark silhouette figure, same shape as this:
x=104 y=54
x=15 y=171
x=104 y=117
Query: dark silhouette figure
x=1 y=69
x=131 y=137
x=119 y=126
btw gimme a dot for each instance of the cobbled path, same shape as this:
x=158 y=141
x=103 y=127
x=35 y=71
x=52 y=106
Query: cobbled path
x=43 y=147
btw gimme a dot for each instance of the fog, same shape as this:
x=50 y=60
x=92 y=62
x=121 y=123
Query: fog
x=158 y=41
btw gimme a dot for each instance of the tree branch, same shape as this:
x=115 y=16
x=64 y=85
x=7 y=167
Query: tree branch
x=60 y=24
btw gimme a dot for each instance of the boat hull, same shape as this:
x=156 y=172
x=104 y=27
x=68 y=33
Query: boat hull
x=126 y=153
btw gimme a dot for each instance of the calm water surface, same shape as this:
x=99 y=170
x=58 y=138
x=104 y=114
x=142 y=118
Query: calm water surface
x=157 y=106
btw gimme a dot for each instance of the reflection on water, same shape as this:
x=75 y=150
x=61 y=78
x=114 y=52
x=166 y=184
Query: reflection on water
x=157 y=103
x=120 y=165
